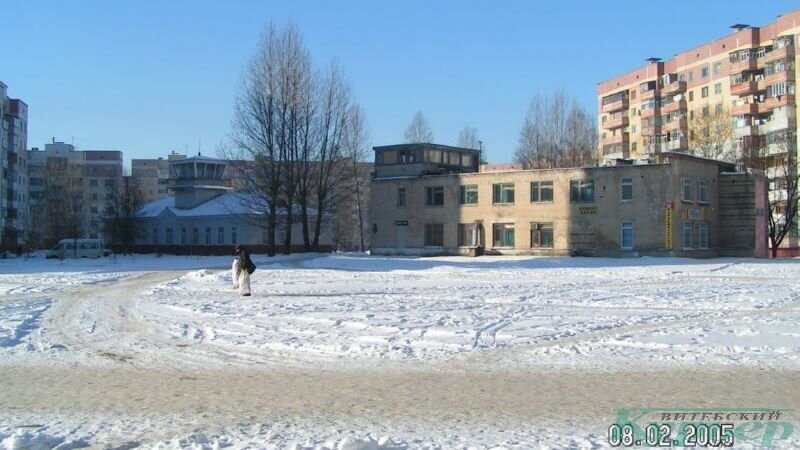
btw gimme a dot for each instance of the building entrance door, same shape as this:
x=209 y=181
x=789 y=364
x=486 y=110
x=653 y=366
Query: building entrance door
x=401 y=234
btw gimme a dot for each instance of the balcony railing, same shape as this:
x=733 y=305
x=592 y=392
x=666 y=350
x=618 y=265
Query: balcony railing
x=647 y=95
x=621 y=138
x=653 y=147
x=676 y=144
x=775 y=102
x=621 y=121
x=673 y=88
x=776 y=54
x=744 y=109
x=749 y=130
x=649 y=112
x=744 y=88
x=675 y=124
x=777 y=77
x=651 y=130
x=616 y=106
x=747 y=64
x=673 y=106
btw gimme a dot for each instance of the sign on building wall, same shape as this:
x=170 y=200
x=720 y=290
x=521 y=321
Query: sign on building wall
x=587 y=210
x=668 y=226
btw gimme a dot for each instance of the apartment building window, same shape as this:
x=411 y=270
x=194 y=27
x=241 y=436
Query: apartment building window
x=183 y=236
x=541 y=191
x=687 y=190
x=94 y=196
x=221 y=235
x=691 y=96
x=626 y=236
x=626 y=189
x=691 y=75
x=208 y=236
x=541 y=235
x=704 y=92
x=93 y=182
x=169 y=237
x=702 y=235
x=717 y=68
x=603 y=118
x=434 y=196
x=434 y=235
x=233 y=235
x=706 y=111
x=468 y=195
x=195 y=236
x=704 y=72
x=718 y=88
x=633 y=147
x=155 y=236
x=687 y=235
x=702 y=191
x=503 y=193
x=503 y=234
x=718 y=108
x=581 y=191
x=109 y=183
x=682 y=77
x=401 y=197
x=468 y=235
x=93 y=209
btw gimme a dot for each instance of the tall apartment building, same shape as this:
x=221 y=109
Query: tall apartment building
x=14 y=181
x=748 y=76
x=153 y=176
x=70 y=190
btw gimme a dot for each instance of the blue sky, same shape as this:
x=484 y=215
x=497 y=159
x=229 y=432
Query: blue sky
x=149 y=77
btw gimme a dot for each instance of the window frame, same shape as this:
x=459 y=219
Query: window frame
x=702 y=187
x=498 y=189
x=464 y=231
x=431 y=196
x=702 y=236
x=686 y=183
x=687 y=226
x=622 y=228
x=579 y=187
x=428 y=234
x=627 y=181
x=540 y=186
x=401 y=197
x=505 y=226
x=542 y=228
x=463 y=194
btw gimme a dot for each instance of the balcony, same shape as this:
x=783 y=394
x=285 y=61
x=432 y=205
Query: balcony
x=673 y=88
x=673 y=106
x=775 y=102
x=745 y=88
x=649 y=112
x=651 y=130
x=741 y=66
x=749 y=130
x=675 y=145
x=744 y=109
x=615 y=151
x=675 y=124
x=777 y=124
x=777 y=54
x=778 y=77
x=621 y=138
x=653 y=148
x=647 y=95
x=619 y=122
x=618 y=105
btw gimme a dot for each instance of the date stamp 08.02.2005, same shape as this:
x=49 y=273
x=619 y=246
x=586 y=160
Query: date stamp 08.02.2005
x=700 y=427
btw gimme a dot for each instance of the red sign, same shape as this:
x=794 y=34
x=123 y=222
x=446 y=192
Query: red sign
x=669 y=205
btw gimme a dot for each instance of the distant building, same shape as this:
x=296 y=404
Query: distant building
x=205 y=216
x=153 y=176
x=432 y=200
x=14 y=220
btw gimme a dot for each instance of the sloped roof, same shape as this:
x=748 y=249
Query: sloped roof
x=223 y=205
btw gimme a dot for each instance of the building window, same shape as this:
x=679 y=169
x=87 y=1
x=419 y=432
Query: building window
x=401 y=197
x=183 y=236
x=434 y=235
x=633 y=147
x=717 y=68
x=208 y=236
x=704 y=72
x=718 y=88
x=686 y=192
x=503 y=193
x=626 y=236
x=503 y=234
x=691 y=75
x=626 y=189
x=233 y=235
x=702 y=191
x=221 y=235
x=93 y=209
x=682 y=77
x=195 y=236
x=155 y=236
x=541 y=235
x=93 y=182
x=691 y=95
x=541 y=191
x=702 y=235
x=169 y=236
x=687 y=235
x=706 y=111
x=468 y=235
x=94 y=196
x=581 y=191
x=469 y=194
x=434 y=196
x=704 y=91
x=718 y=108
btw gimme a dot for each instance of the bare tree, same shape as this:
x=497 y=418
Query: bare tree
x=123 y=223
x=711 y=132
x=63 y=208
x=468 y=137
x=775 y=155
x=418 y=131
x=355 y=150
x=556 y=132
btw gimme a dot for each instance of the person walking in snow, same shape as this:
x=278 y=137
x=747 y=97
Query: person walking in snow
x=243 y=266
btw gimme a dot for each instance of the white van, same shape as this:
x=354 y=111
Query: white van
x=77 y=248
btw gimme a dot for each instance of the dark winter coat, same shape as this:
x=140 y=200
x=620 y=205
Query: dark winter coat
x=245 y=263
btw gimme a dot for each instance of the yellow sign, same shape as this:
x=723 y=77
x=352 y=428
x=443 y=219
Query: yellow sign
x=668 y=228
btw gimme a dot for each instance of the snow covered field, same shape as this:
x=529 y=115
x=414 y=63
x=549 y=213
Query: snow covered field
x=356 y=321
